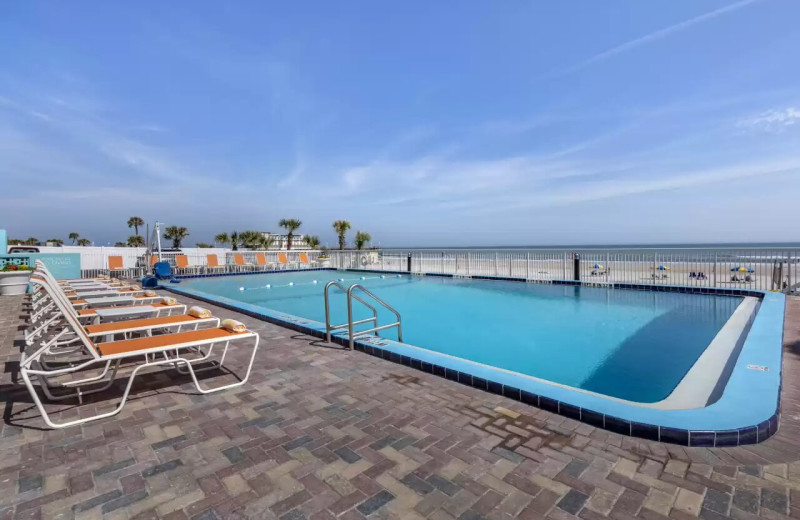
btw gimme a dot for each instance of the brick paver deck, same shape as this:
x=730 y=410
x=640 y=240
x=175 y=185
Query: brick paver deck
x=323 y=433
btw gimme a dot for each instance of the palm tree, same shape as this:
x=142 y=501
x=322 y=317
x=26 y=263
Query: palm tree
x=249 y=239
x=84 y=242
x=135 y=222
x=362 y=238
x=176 y=234
x=291 y=225
x=312 y=241
x=341 y=227
x=255 y=240
x=57 y=241
x=235 y=241
x=120 y=244
x=74 y=236
x=265 y=241
x=222 y=238
x=32 y=241
x=136 y=241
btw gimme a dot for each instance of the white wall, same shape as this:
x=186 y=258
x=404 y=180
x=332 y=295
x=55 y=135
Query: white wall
x=96 y=257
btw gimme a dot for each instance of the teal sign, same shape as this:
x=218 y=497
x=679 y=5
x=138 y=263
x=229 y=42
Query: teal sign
x=62 y=265
x=3 y=242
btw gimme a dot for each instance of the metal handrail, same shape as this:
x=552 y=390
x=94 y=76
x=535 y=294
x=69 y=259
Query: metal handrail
x=352 y=333
x=349 y=325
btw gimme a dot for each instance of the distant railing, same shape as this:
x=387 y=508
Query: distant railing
x=136 y=263
x=765 y=269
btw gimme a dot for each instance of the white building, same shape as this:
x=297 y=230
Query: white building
x=282 y=240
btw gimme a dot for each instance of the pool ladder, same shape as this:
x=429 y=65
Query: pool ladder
x=350 y=325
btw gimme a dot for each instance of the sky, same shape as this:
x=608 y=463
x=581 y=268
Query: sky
x=452 y=123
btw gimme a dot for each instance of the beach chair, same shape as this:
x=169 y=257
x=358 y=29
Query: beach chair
x=177 y=350
x=41 y=321
x=284 y=263
x=212 y=263
x=305 y=261
x=83 y=295
x=261 y=261
x=115 y=266
x=241 y=265
x=44 y=311
x=182 y=264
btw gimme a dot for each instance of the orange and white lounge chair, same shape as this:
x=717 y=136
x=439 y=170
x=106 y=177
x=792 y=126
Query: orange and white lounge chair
x=182 y=350
x=116 y=266
x=284 y=263
x=182 y=264
x=41 y=321
x=305 y=261
x=261 y=261
x=212 y=263
x=241 y=265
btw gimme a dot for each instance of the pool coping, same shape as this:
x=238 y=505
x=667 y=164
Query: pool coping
x=747 y=412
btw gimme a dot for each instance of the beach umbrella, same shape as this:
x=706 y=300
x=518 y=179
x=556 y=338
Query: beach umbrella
x=742 y=270
x=663 y=268
x=597 y=266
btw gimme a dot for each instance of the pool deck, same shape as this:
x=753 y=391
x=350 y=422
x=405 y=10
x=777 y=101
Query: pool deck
x=323 y=433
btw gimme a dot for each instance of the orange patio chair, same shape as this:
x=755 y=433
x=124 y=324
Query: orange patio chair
x=212 y=262
x=284 y=262
x=182 y=263
x=115 y=265
x=238 y=261
x=261 y=260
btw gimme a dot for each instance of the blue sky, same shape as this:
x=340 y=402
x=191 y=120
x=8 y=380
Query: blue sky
x=424 y=123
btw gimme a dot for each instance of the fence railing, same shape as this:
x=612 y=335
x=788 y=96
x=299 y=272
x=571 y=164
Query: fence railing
x=138 y=263
x=766 y=269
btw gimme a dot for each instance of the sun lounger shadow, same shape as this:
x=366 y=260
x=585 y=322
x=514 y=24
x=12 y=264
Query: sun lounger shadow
x=146 y=386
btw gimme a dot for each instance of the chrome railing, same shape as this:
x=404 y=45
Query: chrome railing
x=351 y=323
x=330 y=328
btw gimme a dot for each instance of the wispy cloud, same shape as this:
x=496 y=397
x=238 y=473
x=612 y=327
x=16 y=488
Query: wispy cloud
x=775 y=121
x=649 y=38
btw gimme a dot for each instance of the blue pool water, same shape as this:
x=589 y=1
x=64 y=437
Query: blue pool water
x=634 y=345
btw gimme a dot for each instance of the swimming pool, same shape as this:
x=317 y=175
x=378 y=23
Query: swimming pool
x=639 y=348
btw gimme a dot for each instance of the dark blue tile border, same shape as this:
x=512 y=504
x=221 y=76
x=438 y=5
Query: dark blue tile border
x=694 y=438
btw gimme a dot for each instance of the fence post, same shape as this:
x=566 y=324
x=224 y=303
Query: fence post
x=528 y=265
x=714 y=274
x=788 y=274
x=655 y=266
x=469 y=255
x=495 y=264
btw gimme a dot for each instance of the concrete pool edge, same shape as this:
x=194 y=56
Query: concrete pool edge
x=746 y=412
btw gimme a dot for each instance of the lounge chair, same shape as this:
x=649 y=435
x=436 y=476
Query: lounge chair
x=238 y=261
x=182 y=264
x=116 y=266
x=212 y=263
x=82 y=293
x=166 y=349
x=261 y=261
x=41 y=321
x=305 y=261
x=284 y=263
x=48 y=302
